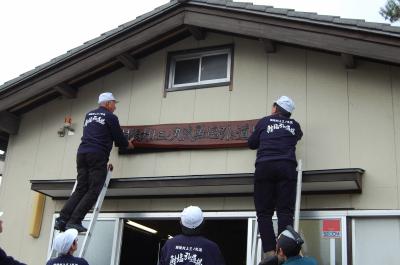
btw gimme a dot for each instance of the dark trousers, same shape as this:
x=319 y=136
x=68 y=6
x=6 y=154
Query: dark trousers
x=92 y=172
x=274 y=189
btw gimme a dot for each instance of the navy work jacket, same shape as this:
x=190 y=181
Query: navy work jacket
x=67 y=260
x=275 y=137
x=189 y=250
x=100 y=129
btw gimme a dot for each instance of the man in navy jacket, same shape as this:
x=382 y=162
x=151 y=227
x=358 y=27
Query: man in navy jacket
x=275 y=138
x=191 y=247
x=4 y=259
x=100 y=129
x=288 y=247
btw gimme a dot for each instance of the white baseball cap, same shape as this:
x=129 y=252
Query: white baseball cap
x=63 y=241
x=286 y=103
x=192 y=217
x=106 y=96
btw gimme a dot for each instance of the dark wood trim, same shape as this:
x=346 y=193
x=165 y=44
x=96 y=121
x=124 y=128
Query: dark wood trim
x=9 y=122
x=269 y=45
x=229 y=23
x=344 y=31
x=128 y=61
x=348 y=61
x=31 y=102
x=166 y=77
x=232 y=66
x=202 y=49
x=197 y=33
x=66 y=90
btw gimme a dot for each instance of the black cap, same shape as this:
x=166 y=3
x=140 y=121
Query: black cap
x=290 y=242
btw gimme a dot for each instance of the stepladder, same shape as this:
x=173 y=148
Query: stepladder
x=256 y=249
x=92 y=218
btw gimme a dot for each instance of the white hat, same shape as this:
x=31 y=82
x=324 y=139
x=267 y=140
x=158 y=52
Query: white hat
x=1 y=213
x=63 y=241
x=191 y=217
x=286 y=103
x=106 y=96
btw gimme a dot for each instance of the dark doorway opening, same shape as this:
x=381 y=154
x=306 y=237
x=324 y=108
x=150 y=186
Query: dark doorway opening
x=142 y=247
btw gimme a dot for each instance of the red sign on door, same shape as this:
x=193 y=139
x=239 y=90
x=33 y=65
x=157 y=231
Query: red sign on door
x=331 y=228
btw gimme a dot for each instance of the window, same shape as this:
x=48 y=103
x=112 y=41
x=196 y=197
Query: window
x=200 y=68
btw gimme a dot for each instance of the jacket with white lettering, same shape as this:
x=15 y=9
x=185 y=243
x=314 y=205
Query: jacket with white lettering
x=189 y=250
x=7 y=260
x=275 y=137
x=100 y=129
x=67 y=260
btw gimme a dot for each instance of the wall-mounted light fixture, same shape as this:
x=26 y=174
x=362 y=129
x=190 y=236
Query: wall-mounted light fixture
x=67 y=127
x=141 y=227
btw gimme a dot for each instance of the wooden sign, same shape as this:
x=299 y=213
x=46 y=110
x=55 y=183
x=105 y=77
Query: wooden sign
x=201 y=135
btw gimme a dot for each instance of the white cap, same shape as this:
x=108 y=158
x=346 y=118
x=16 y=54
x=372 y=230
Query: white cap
x=63 y=241
x=1 y=213
x=286 y=103
x=191 y=217
x=106 y=96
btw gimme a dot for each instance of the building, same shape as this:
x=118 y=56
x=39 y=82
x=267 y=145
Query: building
x=343 y=74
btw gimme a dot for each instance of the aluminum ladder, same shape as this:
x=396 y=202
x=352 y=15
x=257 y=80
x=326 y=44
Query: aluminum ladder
x=254 y=244
x=96 y=210
x=93 y=219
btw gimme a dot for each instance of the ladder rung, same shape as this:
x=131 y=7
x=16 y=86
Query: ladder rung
x=93 y=219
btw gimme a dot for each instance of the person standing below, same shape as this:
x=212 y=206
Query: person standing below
x=4 y=259
x=275 y=138
x=100 y=129
x=191 y=247
x=288 y=247
x=66 y=244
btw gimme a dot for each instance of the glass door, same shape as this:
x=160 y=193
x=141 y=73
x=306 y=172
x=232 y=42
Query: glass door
x=103 y=244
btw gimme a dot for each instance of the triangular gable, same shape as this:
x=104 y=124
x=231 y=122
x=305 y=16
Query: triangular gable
x=178 y=19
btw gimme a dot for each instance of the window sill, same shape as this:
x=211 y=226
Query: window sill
x=174 y=89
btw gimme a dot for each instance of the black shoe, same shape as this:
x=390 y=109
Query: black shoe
x=60 y=224
x=79 y=227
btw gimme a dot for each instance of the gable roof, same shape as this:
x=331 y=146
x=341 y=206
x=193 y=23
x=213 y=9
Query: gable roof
x=377 y=41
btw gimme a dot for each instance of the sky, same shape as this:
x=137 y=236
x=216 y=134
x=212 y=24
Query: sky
x=35 y=31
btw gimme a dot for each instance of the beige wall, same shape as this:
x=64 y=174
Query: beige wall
x=350 y=118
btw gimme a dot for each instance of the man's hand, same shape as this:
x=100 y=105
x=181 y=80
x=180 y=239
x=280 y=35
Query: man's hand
x=130 y=145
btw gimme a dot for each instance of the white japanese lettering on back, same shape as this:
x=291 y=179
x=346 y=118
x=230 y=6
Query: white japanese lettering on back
x=97 y=119
x=281 y=125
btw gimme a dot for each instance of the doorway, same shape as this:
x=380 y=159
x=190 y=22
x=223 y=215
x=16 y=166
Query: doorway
x=142 y=246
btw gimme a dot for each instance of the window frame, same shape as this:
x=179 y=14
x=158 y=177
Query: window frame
x=174 y=57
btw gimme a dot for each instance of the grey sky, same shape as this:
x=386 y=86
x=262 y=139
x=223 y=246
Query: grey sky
x=33 y=32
